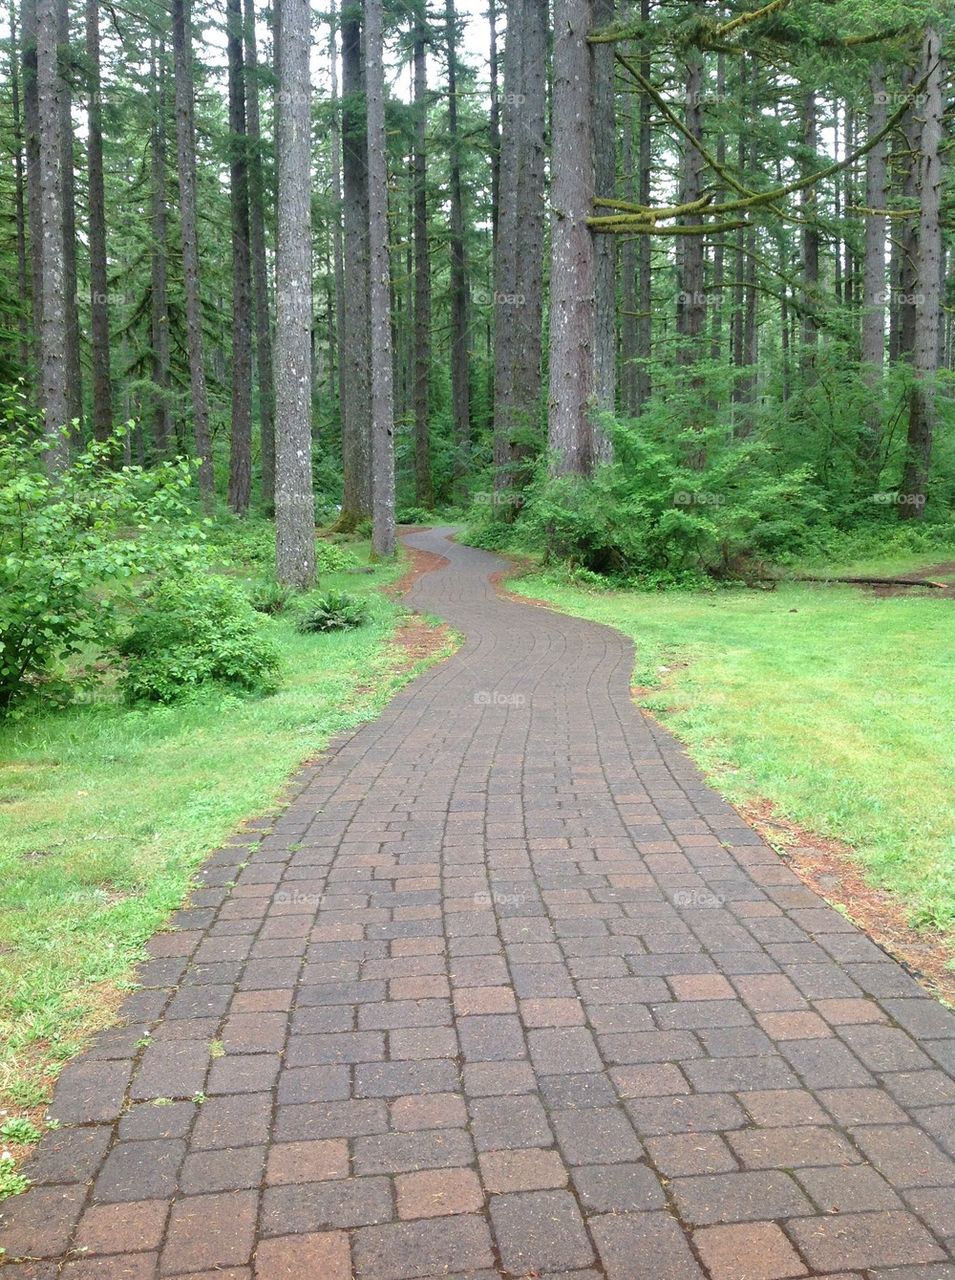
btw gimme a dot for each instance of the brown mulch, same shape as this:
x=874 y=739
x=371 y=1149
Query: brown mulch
x=826 y=865
x=422 y=562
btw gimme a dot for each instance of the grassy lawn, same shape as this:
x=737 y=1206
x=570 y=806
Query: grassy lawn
x=105 y=812
x=834 y=705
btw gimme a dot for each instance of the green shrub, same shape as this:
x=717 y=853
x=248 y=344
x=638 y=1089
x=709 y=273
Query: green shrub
x=71 y=548
x=268 y=596
x=194 y=632
x=332 y=557
x=333 y=611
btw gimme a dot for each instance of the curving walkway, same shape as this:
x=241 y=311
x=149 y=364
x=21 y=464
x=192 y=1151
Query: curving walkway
x=506 y=990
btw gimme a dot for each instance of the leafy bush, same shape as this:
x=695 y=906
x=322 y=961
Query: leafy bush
x=64 y=540
x=194 y=632
x=332 y=557
x=333 y=611
x=647 y=517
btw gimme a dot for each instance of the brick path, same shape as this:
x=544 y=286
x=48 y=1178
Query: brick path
x=505 y=990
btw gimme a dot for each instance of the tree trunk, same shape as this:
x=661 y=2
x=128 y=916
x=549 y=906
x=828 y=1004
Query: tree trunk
x=569 y=425
x=186 y=161
x=810 y=234
x=159 y=310
x=691 y=300
x=23 y=291
x=605 y=247
x=908 y=232
x=519 y=274
x=99 y=282
x=628 y=274
x=460 y=359
x=644 y=165
x=240 y=452
x=424 y=490
x=494 y=127
x=379 y=292
x=356 y=345
x=335 y=140
x=260 y=271
x=719 y=242
x=53 y=368
x=294 y=500
x=74 y=375
x=31 y=125
x=873 y=270
x=922 y=397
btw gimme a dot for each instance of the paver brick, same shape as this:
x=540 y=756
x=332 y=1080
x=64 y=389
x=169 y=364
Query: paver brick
x=540 y=1231
x=316 y=1253
x=754 y=1251
x=643 y=1246
x=209 y=1231
x=435 y=1193
x=863 y=1241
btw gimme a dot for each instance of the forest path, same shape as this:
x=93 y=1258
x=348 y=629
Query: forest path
x=505 y=990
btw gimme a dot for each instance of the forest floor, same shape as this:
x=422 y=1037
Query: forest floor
x=824 y=714
x=106 y=811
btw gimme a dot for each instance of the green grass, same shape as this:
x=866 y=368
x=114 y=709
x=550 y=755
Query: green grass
x=834 y=705
x=106 y=811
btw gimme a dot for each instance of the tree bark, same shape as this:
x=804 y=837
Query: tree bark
x=74 y=374
x=922 y=396
x=605 y=247
x=260 y=271
x=691 y=300
x=159 y=309
x=294 y=500
x=519 y=261
x=873 y=270
x=379 y=292
x=335 y=140
x=569 y=424
x=54 y=396
x=644 y=166
x=909 y=231
x=356 y=332
x=460 y=359
x=494 y=125
x=31 y=125
x=810 y=234
x=186 y=162
x=424 y=489
x=240 y=452
x=628 y=274
x=23 y=290
x=99 y=282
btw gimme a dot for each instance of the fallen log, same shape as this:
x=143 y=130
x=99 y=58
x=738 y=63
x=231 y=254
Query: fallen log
x=866 y=582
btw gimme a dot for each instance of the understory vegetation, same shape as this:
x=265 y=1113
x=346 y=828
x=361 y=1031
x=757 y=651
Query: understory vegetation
x=176 y=688
x=792 y=490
